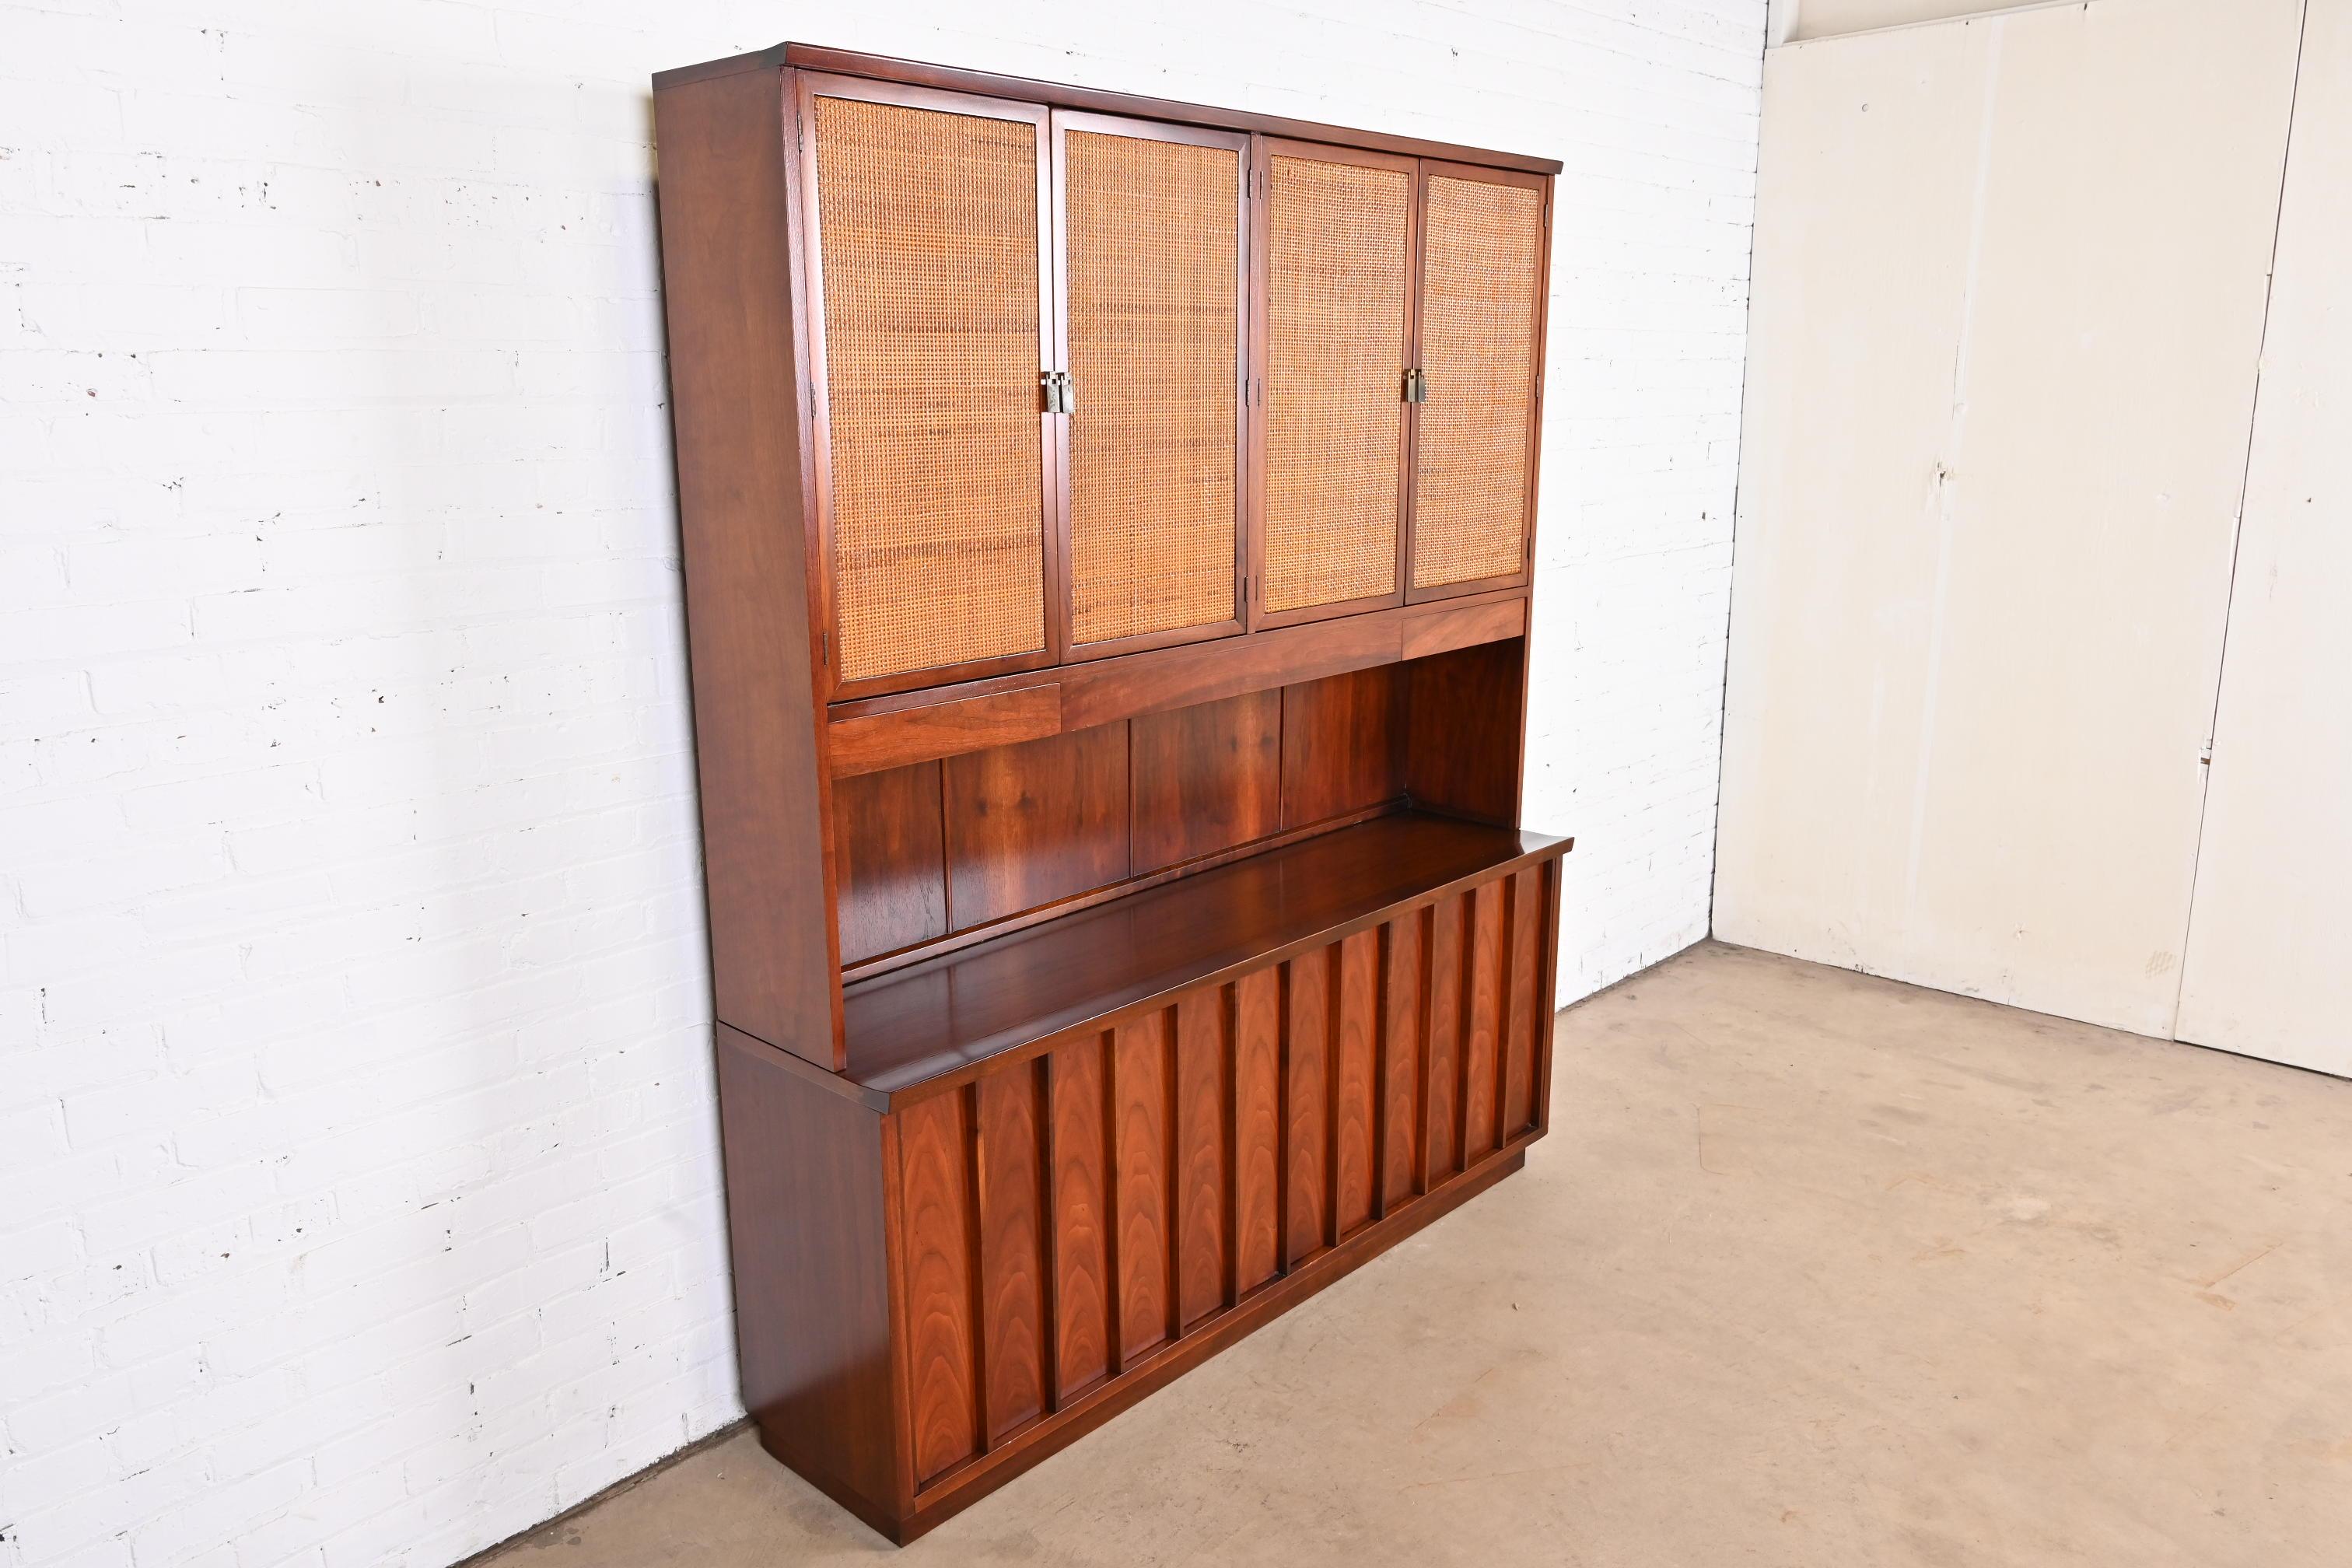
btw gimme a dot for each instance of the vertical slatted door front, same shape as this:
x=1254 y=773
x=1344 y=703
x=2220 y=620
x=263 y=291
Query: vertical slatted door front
x=1484 y=264
x=1335 y=276
x=1153 y=298
x=925 y=221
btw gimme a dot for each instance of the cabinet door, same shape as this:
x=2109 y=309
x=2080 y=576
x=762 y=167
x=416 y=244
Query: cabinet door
x=1483 y=268
x=1153 y=231
x=929 y=316
x=1337 y=287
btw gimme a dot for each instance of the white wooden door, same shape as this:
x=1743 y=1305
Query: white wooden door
x=2269 y=969
x=2009 y=278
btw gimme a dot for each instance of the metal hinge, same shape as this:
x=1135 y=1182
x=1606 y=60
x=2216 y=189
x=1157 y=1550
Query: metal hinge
x=1416 y=386
x=2205 y=753
x=825 y=648
x=1060 y=394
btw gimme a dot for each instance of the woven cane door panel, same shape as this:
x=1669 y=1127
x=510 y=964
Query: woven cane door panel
x=1335 y=362
x=1482 y=248
x=927 y=235
x=1154 y=322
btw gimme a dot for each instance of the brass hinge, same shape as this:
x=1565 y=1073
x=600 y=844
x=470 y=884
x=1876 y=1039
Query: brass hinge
x=825 y=648
x=1416 y=386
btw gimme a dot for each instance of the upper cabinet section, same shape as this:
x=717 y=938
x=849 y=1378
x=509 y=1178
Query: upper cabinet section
x=1482 y=286
x=1077 y=376
x=1338 y=325
x=932 y=312
x=1154 y=241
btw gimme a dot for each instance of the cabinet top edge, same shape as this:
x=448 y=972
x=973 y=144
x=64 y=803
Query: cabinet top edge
x=1065 y=95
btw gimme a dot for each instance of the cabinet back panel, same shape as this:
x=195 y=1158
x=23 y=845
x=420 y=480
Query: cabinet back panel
x=1031 y=824
x=1207 y=777
x=927 y=250
x=932 y=849
x=1342 y=745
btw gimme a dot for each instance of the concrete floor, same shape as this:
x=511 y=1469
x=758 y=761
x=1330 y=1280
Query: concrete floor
x=1815 y=1269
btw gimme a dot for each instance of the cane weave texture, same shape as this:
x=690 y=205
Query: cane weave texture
x=1482 y=249
x=928 y=230
x=1154 y=321
x=1334 y=368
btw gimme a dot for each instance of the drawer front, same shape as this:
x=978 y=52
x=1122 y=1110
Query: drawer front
x=1067 y=1220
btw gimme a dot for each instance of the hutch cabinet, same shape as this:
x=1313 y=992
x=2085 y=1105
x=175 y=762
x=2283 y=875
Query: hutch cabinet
x=1108 y=527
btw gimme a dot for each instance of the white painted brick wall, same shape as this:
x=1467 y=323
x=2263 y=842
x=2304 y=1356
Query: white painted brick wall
x=359 y=1199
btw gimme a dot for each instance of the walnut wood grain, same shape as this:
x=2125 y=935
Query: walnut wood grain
x=1257 y=1129
x=1354 y=1108
x=936 y=1258
x=1011 y=1261
x=1306 y=1105
x=892 y=865
x=1029 y=824
x=1140 y=1124
x=1205 y=778
x=1082 y=1221
x=1404 y=1024
x=1089 y=969
x=759 y=747
x=1201 y=1160
x=1341 y=746
x=933 y=730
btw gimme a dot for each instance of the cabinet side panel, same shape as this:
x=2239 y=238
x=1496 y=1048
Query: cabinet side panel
x=936 y=1267
x=728 y=296
x=805 y=1217
x=1257 y=1128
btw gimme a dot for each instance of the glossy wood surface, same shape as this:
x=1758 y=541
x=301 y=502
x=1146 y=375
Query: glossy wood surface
x=946 y=729
x=759 y=729
x=888 y=853
x=1083 y=969
x=806 y=1227
x=1179 y=1141
x=1342 y=746
x=1029 y=824
x=1205 y=778
x=1082 y=1007
x=909 y=727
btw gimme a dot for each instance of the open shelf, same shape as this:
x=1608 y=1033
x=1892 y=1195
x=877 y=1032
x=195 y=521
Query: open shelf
x=914 y=1026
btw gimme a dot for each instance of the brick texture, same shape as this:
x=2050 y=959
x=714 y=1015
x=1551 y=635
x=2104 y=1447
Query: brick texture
x=359 y=1193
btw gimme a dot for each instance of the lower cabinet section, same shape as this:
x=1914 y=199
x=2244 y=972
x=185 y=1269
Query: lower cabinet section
x=1012 y=1255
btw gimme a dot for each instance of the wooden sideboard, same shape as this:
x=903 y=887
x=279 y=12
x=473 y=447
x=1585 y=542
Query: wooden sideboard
x=1108 y=528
